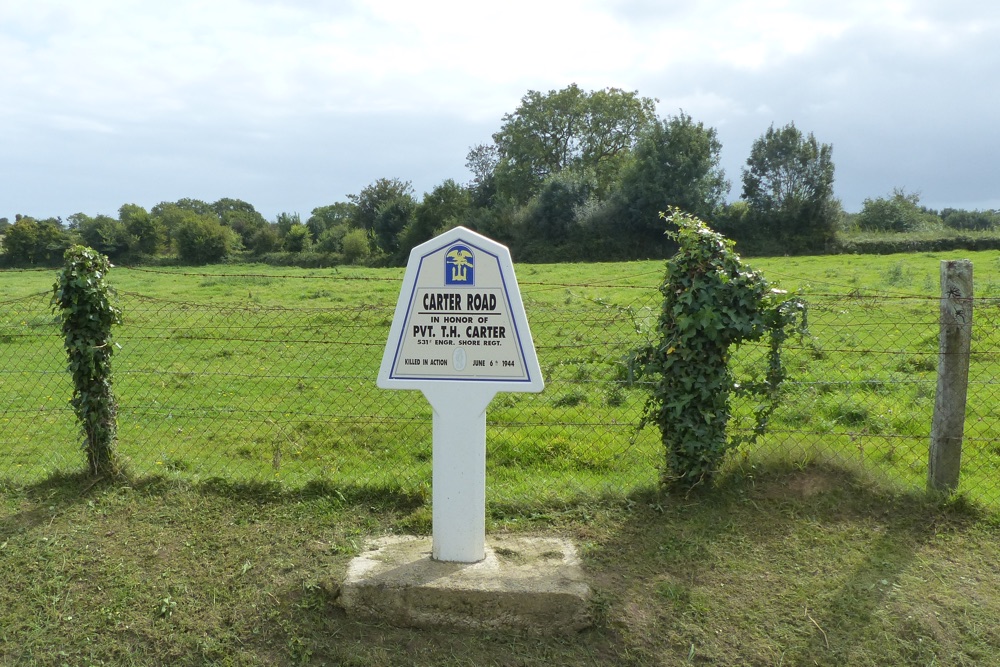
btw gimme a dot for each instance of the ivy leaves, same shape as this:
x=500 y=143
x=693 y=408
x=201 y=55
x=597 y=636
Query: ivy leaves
x=83 y=300
x=711 y=303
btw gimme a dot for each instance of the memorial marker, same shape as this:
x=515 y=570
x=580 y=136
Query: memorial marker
x=459 y=335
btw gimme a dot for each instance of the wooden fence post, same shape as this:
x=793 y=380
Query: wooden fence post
x=948 y=424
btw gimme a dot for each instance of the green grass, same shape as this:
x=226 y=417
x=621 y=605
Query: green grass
x=778 y=565
x=269 y=375
x=818 y=547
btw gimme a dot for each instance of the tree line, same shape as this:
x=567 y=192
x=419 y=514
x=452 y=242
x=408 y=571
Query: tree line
x=569 y=175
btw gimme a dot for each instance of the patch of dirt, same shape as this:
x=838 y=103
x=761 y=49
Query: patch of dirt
x=802 y=484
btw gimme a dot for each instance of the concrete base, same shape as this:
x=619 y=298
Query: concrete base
x=528 y=583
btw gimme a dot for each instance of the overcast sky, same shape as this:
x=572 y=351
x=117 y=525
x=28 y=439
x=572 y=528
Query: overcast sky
x=296 y=104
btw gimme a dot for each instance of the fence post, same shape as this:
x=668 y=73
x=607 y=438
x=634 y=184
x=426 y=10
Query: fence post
x=948 y=424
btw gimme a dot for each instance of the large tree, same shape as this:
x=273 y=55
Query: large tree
x=383 y=209
x=338 y=214
x=675 y=163
x=202 y=239
x=241 y=217
x=29 y=241
x=788 y=187
x=551 y=217
x=103 y=233
x=444 y=207
x=144 y=232
x=562 y=129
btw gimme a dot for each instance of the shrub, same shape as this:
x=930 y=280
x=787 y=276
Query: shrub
x=83 y=299
x=265 y=240
x=356 y=246
x=711 y=303
x=204 y=240
x=297 y=239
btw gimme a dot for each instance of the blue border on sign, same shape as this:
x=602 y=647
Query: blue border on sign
x=409 y=306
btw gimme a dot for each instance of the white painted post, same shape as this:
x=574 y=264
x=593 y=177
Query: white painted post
x=459 y=471
x=460 y=335
x=948 y=424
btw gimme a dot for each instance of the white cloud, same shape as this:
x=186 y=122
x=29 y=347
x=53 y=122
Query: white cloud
x=331 y=86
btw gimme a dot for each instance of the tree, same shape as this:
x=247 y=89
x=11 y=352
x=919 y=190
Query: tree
x=551 y=215
x=21 y=241
x=265 y=240
x=326 y=217
x=332 y=239
x=172 y=214
x=29 y=241
x=367 y=202
x=482 y=161
x=239 y=216
x=382 y=209
x=187 y=204
x=104 y=234
x=297 y=238
x=900 y=213
x=356 y=246
x=143 y=233
x=788 y=187
x=675 y=163
x=391 y=219
x=561 y=129
x=442 y=208
x=202 y=239
x=975 y=220
x=285 y=221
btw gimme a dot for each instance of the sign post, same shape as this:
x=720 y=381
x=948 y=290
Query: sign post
x=460 y=335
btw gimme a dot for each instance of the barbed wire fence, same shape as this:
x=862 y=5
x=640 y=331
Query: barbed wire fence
x=253 y=393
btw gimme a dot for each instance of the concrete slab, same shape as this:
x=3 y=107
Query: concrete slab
x=533 y=584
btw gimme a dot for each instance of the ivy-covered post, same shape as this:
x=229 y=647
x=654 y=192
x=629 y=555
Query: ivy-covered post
x=83 y=299
x=711 y=303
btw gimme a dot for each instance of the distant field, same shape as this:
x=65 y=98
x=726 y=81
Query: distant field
x=253 y=372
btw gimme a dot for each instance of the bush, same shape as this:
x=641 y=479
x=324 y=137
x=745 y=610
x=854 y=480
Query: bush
x=711 y=303
x=900 y=213
x=899 y=243
x=297 y=239
x=356 y=246
x=204 y=240
x=971 y=220
x=304 y=260
x=83 y=299
x=265 y=240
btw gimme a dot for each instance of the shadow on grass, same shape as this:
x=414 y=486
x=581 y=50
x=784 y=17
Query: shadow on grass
x=377 y=498
x=774 y=563
x=63 y=489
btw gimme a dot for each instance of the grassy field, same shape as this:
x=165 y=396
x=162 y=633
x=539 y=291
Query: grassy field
x=818 y=547
x=255 y=374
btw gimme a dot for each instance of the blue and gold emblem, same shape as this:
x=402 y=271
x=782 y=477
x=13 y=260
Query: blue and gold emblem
x=459 y=266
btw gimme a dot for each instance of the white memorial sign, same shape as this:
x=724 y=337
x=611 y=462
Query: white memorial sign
x=460 y=335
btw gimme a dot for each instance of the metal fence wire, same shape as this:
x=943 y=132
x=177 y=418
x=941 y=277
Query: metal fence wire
x=250 y=393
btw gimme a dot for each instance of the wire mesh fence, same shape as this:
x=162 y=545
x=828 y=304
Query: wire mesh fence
x=249 y=393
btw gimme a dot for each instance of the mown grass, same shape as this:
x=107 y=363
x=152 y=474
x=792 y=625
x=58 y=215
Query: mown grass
x=778 y=565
